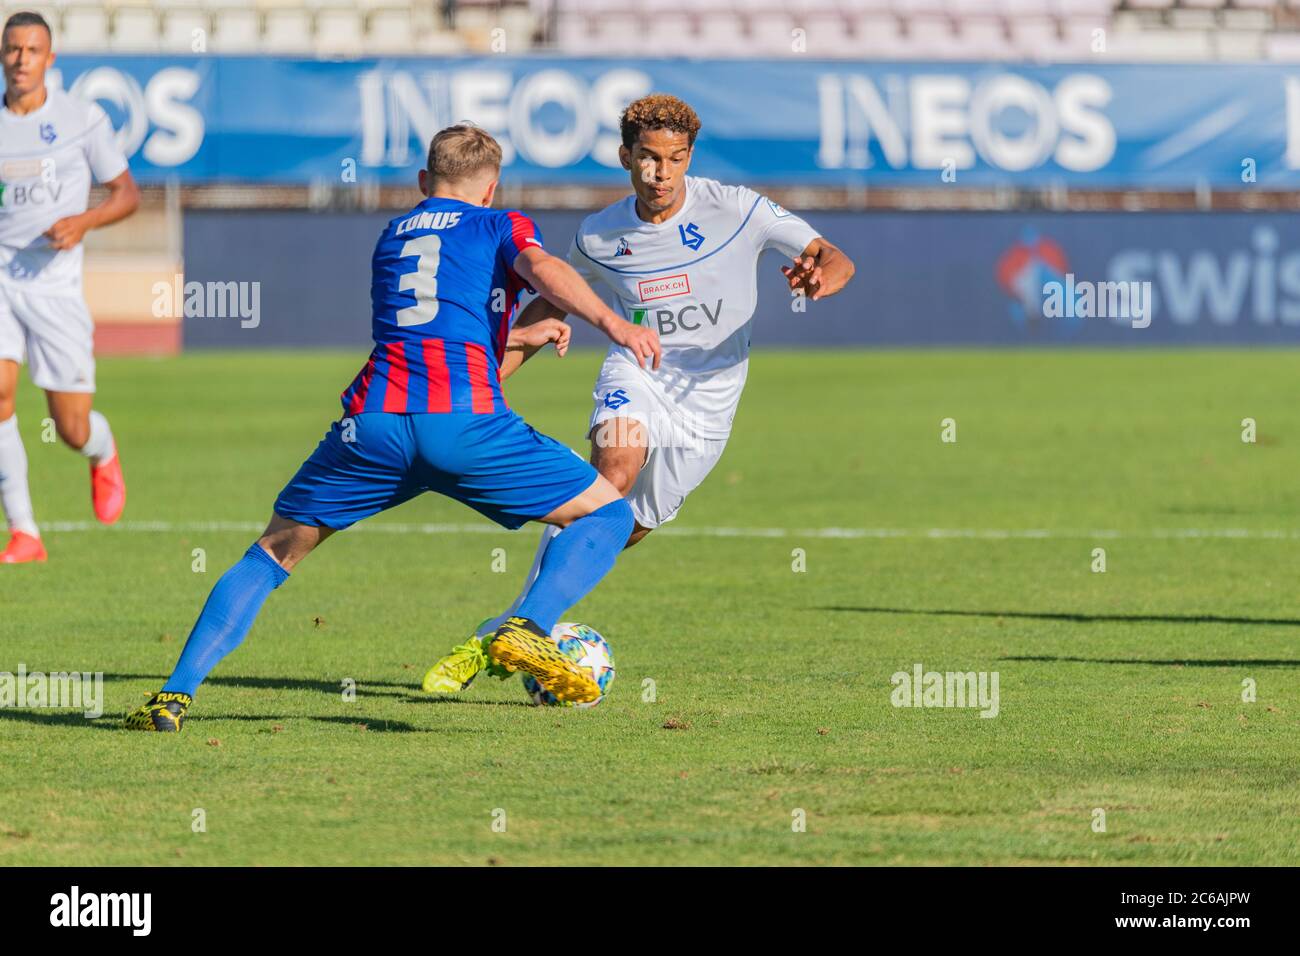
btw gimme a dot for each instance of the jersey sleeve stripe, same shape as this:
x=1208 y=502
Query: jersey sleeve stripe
x=522 y=229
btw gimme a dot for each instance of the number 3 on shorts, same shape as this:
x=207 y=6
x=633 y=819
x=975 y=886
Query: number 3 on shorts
x=423 y=282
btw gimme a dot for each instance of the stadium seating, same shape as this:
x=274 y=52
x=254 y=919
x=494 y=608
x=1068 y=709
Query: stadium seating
x=1041 y=30
x=292 y=27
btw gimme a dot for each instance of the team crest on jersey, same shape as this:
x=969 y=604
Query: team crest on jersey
x=778 y=210
x=623 y=248
x=691 y=237
x=47 y=133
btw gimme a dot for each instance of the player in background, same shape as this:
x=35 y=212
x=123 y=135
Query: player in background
x=426 y=413
x=51 y=144
x=679 y=255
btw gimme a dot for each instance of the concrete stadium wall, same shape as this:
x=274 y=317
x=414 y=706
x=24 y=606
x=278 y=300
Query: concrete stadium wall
x=928 y=279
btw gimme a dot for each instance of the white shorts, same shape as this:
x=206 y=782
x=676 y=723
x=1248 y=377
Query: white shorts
x=54 y=333
x=676 y=460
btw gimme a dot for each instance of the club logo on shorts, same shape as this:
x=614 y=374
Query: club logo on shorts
x=47 y=133
x=664 y=287
x=616 y=399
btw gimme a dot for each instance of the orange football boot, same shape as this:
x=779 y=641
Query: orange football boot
x=108 y=489
x=22 y=548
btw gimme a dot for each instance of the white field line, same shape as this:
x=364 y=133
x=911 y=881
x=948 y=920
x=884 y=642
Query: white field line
x=933 y=534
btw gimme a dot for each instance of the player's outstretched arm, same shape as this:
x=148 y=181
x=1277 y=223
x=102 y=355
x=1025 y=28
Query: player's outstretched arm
x=122 y=200
x=822 y=269
x=559 y=283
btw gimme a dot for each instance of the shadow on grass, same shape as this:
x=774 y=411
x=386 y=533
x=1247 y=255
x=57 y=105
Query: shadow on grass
x=373 y=726
x=109 y=721
x=442 y=699
x=360 y=723
x=1180 y=662
x=1079 y=618
x=64 y=718
x=282 y=683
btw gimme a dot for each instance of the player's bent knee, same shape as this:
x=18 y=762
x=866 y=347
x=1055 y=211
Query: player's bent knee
x=276 y=548
x=620 y=470
x=598 y=494
x=620 y=464
x=622 y=478
x=289 y=541
x=602 y=492
x=74 y=434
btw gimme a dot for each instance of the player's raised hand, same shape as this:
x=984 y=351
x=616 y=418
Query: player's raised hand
x=805 y=274
x=641 y=340
x=820 y=270
x=66 y=233
x=538 y=334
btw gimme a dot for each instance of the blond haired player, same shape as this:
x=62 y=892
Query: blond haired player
x=679 y=255
x=51 y=145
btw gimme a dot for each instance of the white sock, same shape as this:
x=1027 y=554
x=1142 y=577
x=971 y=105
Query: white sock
x=548 y=535
x=99 y=447
x=15 y=496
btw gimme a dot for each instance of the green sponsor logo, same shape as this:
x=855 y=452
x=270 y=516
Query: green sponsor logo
x=2 y=194
x=689 y=318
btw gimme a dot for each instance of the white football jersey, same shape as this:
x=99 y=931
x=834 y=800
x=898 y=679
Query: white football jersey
x=693 y=279
x=47 y=158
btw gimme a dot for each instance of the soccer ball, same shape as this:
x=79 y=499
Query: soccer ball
x=583 y=644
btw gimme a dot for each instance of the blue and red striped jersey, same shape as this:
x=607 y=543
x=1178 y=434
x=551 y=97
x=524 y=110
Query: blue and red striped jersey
x=443 y=292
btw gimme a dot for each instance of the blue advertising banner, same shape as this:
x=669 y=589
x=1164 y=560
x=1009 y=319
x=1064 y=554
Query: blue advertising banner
x=791 y=122
x=977 y=279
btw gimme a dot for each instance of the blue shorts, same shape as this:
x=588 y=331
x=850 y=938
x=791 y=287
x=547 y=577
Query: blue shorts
x=497 y=464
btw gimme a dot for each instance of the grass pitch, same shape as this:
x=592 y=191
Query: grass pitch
x=1120 y=691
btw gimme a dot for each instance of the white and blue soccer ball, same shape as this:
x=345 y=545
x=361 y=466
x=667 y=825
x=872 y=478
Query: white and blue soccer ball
x=584 y=645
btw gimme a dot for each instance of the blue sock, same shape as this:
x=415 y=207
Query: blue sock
x=226 y=618
x=576 y=560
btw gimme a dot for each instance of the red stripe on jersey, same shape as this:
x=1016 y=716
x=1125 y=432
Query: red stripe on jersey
x=360 y=387
x=521 y=230
x=435 y=364
x=480 y=385
x=398 y=373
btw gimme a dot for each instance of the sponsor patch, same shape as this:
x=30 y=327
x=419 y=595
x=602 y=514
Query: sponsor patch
x=20 y=169
x=664 y=287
